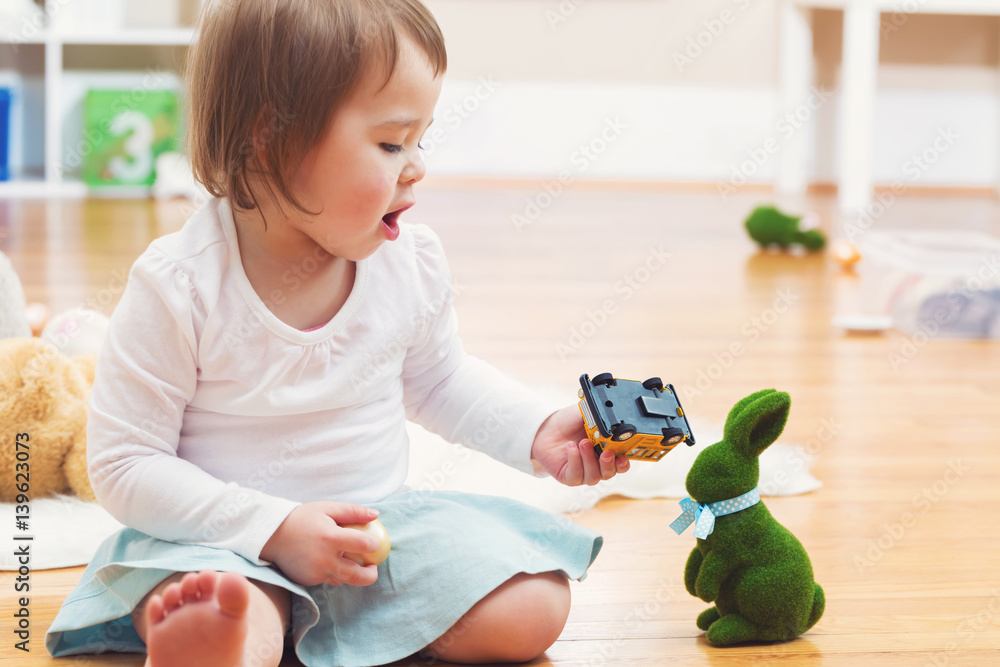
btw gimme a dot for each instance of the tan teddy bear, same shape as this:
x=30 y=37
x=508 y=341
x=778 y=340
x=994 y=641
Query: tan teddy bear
x=45 y=384
x=44 y=394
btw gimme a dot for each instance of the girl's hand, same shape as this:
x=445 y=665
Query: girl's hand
x=309 y=545
x=562 y=449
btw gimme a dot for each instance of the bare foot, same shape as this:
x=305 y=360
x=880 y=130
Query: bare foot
x=201 y=620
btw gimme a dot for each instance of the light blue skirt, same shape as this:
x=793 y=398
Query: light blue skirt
x=449 y=550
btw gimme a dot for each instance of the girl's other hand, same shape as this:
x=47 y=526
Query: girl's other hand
x=309 y=545
x=562 y=449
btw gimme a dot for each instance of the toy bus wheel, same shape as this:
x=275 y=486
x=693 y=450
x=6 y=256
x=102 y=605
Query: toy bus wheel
x=653 y=383
x=604 y=378
x=672 y=436
x=620 y=432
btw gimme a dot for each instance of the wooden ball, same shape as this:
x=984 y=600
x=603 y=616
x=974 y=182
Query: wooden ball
x=376 y=530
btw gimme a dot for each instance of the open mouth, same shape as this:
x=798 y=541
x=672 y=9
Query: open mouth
x=390 y=223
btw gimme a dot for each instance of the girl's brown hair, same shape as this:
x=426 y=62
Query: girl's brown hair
x=264 y=77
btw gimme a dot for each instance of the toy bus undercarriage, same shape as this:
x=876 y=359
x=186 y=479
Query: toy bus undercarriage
x=642 y=421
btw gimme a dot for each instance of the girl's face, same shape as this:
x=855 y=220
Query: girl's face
x=365 y=165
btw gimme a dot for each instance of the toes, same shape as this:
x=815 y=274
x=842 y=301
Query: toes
x=189 y=587
x=172 y=597
x=206 y=582
x=154 y=611
x=231 y=589
x=233 y=594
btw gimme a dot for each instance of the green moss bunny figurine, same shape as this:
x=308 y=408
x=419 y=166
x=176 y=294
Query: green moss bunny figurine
x=769 y=226
x=757 y=573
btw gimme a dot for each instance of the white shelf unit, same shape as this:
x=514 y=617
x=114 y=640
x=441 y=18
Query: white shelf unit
x=53 y=184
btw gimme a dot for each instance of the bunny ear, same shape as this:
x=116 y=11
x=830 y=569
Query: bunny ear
x=743 y=403
x=757 y=421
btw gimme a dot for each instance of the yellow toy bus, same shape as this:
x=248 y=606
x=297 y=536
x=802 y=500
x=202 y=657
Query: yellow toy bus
x=642 y=421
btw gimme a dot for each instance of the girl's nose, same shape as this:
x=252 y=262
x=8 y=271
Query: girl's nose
x=415 y=169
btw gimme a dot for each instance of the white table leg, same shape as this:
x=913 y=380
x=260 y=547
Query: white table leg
x=859 y=79
x=796 y=79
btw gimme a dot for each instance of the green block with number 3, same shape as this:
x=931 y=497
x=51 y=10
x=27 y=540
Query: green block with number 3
x=123 y=133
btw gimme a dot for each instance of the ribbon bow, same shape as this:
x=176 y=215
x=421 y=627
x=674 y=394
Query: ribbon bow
x=702 y=515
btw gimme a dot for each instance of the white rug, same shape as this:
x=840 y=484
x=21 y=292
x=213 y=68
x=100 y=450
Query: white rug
x=67 y=530
x=435 y=464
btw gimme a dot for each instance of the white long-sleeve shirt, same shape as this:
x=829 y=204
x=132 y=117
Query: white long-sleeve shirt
x=211 y=419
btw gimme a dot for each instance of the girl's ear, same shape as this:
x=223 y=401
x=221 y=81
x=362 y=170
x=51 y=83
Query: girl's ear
x=757 y=421
x=258 y=142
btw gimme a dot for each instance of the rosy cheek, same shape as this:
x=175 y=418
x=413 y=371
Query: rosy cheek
x=369 y=194
x=379 y=188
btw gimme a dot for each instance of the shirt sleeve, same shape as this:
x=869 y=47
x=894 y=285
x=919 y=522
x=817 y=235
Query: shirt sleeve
x=146 y=374
x=457 y=395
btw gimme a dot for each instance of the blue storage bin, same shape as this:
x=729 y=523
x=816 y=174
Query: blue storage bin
x=5 y=96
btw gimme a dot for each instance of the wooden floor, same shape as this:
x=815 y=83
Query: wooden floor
x=915 y=442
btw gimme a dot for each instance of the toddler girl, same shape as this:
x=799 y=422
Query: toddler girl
x=252 y=393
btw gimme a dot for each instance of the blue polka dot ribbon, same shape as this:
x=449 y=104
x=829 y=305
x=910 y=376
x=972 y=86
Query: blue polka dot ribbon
x=702 y=515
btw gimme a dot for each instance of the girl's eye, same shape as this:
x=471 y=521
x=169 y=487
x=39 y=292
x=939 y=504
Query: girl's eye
x=396 y=148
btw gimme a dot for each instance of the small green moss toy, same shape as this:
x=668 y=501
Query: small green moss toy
x=769 y=226
x=757 y=573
